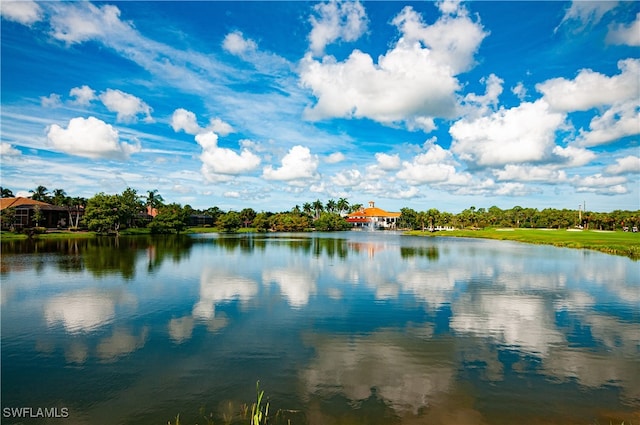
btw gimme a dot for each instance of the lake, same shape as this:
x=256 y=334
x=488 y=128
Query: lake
x=338 y=328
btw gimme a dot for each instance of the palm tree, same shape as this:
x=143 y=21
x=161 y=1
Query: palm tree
x=40 y=193
x=318 y=207
x=59 y=197
x=355 y=207
x=342 y=205
x=77 y=203
x=331 y=206
x=307 y=208
x=6 y=193
x=154 y=200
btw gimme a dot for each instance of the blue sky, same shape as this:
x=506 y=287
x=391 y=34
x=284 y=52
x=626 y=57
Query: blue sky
x=271 y=104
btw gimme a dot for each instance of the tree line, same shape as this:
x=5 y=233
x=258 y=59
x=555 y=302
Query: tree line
x=105 y=213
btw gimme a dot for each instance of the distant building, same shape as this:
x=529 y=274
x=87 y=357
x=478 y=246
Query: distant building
x=52 y=215
x=373 y=218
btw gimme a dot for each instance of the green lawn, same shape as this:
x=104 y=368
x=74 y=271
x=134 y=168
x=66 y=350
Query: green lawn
x=618 y=243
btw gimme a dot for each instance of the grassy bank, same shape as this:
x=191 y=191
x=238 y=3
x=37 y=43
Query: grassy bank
x=617 y=243
x=57 y=234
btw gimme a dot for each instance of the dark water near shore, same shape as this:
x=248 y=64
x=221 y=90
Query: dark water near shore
x=346 y=328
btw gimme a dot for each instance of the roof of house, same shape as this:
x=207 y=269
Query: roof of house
x=26 y=202
x=373 y=212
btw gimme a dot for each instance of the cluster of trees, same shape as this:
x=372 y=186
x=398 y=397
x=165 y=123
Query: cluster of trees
x=109 y=213
x=518 y=217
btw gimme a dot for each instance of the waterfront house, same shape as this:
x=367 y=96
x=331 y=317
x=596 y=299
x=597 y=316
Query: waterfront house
x=373 y=218
x=24 y=212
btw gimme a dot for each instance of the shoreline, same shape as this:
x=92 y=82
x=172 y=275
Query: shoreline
x=610 y=242
x=625 y=244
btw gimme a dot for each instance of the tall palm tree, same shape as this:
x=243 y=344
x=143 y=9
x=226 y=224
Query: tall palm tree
x=154 y=199
x=6 y=193
x=318 y=207
x=342 y=205
x=307 y=208
x=40 y=193
x=355 y=207
x=59 y=197
x=331 y=206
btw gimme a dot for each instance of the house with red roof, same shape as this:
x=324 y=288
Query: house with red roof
x=24 y=212
x=373 y=218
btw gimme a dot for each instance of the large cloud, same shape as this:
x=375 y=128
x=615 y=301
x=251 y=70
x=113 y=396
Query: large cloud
x=412 y=83
x=90 y=138
x=592 y=89
x=525 y=133
x=297 y=164
x=220 y=163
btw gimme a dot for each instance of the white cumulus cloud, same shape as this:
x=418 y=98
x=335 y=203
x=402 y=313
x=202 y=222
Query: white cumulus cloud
x=412 y=83
x=218 y=163
x=236 y=44
x=346 y=20
x=524 y=133
x=297 y=164
x=388 y=162
x=187 y=121
x=82 y=95
x=627 y=165
x=90 y=138
x=592 y=89
x=621 y=120
x=125 y=105
x=7 y=150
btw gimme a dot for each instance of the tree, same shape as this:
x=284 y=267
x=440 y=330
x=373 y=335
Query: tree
x=40 y=193
x=230 y=222
x=7 y=216
x=170 y=218
x=355 y=207
x=317 y=207
x=261 y=222
x=408 y=218
x=129 y=207
x=342 y=205
x=307 y=208
x=59 y=197
x=37 y=215
x=246 y=216
x=331 y=206
x=6 y=193
x=77 y=203
x=328 y=222
x=153 y=199
x=101 y=213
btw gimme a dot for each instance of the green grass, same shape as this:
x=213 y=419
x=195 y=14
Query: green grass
x=617 y=243
x=56 y=234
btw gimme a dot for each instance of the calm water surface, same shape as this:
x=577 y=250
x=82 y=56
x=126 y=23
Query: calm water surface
x=347 y=328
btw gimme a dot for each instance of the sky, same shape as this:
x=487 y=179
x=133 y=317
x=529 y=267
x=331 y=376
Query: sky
x=271 y=104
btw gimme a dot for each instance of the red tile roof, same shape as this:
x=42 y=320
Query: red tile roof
x=26 y=202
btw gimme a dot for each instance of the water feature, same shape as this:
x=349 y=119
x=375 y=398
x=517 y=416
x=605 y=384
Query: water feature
x=355 y=327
